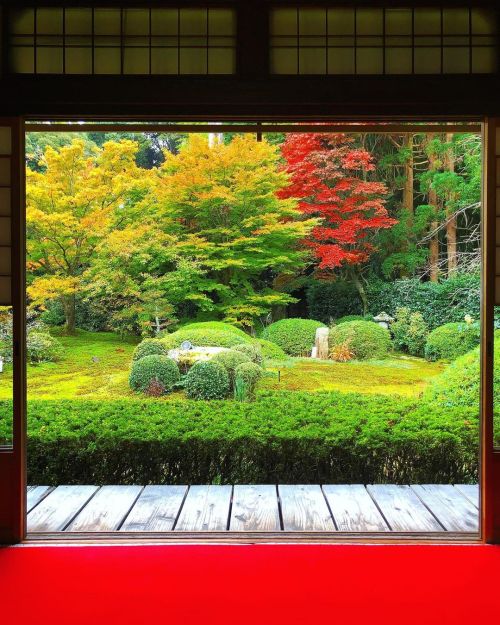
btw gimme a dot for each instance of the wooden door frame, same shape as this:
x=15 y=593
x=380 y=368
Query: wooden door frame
x=13 y=461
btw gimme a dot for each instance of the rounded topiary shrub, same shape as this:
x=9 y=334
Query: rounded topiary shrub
x=156 y=369
x=148 y=347
x=214 y=325
x=271 y=351
x=230 y=360
x=207 y=380
x=363 y=339
x=245 y=380
x=452 y=340
x=204 y=337
x=294 y=336
x=41 y=347
x=252 y=350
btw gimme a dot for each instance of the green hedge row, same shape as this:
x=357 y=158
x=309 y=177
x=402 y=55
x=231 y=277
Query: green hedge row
x=439 y=302
x=281 y=437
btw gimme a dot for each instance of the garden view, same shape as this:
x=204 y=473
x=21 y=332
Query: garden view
x=214 y=308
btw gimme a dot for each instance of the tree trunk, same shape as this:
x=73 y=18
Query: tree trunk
x=408 y=186
x=451 y=222
x=360 y=288
x=69 y=307
x=434 y=240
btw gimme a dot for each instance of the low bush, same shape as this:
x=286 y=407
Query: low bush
x=271 y=351
x=246 y=377
x=204 y=337
x=230 y=361
x=363 y=339
x=295 y=336
x=252 y=350
x=41 y=347
x=281 y=437
x=409 y=332
x=154 y=368
x=148 y=347
x=452 y=340
x=207 y=380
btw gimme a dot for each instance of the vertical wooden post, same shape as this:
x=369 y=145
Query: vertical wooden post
x=12 y=292
x=490 y=458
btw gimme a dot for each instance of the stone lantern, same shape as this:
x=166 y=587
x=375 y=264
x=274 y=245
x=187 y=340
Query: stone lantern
x=383 y=319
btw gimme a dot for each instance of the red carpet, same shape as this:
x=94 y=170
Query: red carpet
x=249 y=585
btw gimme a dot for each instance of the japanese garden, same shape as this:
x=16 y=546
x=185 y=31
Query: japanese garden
x=227 y=308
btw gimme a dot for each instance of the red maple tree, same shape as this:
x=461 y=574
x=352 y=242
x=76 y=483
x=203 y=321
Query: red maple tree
x=328 y=177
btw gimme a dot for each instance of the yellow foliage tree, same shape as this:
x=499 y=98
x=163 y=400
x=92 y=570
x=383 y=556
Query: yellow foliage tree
x=72 y=205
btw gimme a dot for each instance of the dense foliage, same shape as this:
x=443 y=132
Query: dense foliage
x=246 y=377
x=295 y=336
x=363 y=339
x=230 y=360
x=154 y=368
x=281 y=437
x=42 y=347
x=202 y=336
x=207 y=380
x=148 y=347
x=409 y=332
x=271 y=351
x=452 y=340
x=252 y=350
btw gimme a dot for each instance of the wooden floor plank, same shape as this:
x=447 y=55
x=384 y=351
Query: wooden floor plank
x=304 y=508
x=59 y=507
x=353 y=509
x=106 y=510
x=454 y=511
x=470 y=491
x=255 y=509
x=402 y=509
x=205 y=509
x=35 y=494
x=156 y=509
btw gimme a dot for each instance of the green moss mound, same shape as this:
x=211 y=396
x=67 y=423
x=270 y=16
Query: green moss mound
x=202 y=337
x=452 y=340
x=271 y=351
x=364 y=339
x=149 y=347
x=214 y=325
x=154 y=369
x=294 y=336
x=207 y=380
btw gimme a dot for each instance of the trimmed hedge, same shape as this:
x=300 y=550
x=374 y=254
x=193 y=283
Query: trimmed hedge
x=149 y=347
x=452 y=340
x=154 y=368
x=207 y=380
x=295 y=336
x=246 y=377
x=271 y=351
x=252 y=350
x=438 y=302
x=230 y=361
x=363 y=339
x=214 y=325
x=281 y=437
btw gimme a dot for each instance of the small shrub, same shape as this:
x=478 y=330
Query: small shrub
x=409 y=332
x=148 y=347
x=245 y=380
x=366 y=339
x=271 y=351
x=207 y=380
x=230 y=361
x=155 y=389
x=154 y=368
x=41 y=347
x=341 y=352
x=452 y=340
x=295 y=336
x=200 y=337
x=252 y=350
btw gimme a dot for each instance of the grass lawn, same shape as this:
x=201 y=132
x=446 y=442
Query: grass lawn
x=396 y=375
x=96 y=366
